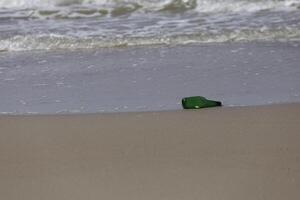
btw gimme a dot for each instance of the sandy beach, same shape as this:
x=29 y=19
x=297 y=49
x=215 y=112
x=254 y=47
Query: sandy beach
x=219 y=153
x=91 y=92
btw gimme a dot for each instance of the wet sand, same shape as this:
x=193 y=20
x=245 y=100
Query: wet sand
x=223 y=153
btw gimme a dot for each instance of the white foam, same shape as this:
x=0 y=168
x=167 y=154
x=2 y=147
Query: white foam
x=244 y=5
x=55 y=30
x=202 y=5
x=47 y=3
x=55 y=41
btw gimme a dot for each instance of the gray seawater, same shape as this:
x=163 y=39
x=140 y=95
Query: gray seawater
x=148 y=79
x=80 y=24
x=60 y=56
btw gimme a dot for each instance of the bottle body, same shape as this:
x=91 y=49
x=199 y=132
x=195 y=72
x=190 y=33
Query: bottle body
x=197 y=102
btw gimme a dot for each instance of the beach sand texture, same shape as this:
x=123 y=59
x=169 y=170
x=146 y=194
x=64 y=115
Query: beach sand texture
x=212 y=154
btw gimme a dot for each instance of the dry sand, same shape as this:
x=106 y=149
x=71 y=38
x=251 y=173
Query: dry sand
x=225 y=153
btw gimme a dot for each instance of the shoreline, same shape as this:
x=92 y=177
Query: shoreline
x=151 y=112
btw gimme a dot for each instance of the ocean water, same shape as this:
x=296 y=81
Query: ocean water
x=149 y=78
x=86 y=56
x=81 y=24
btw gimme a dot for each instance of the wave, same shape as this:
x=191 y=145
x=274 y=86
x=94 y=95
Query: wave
x=112 y=6
x=83 y=24
x=56 y=42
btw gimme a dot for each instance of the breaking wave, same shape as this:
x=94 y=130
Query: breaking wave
x=90 y=7
x=54 y=42
x=83 y=24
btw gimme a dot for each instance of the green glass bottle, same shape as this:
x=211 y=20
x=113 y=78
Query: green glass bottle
x=198 y=102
